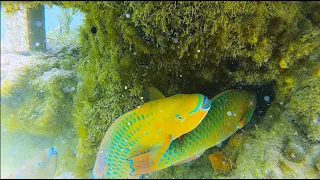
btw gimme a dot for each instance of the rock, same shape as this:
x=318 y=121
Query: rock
x=294 y=152
x=56 y=49
x=68 y=89
x=318 y=164
x=305 y=25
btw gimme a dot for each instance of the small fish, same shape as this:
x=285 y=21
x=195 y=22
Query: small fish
x=42 y=166
x=230 y=111
x=150 y=128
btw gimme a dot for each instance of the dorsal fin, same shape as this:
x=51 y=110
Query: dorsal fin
x=152 y=93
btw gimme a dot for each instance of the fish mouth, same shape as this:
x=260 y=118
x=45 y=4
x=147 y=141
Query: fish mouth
x=206 y=103
x=52 y=151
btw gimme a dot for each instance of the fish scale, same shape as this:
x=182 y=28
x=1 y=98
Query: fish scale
x=118 y=140
x=213 y=129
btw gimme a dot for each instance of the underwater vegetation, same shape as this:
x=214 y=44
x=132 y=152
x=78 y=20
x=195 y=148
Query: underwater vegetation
x=38 y=92
x=39 y=102
x=219 y=162
x=183 y=47
x=295 y=149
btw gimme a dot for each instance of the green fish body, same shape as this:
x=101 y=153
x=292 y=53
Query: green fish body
x=230 y=111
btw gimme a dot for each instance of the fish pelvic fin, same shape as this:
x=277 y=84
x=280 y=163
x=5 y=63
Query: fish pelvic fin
x=246 y=118
x=140 y=164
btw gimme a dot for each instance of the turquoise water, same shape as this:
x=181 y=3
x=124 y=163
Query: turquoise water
x=3 y=29
x=51 y=20
x=11 y=152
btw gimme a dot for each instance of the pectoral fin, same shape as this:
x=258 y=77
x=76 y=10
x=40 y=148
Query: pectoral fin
x=196 y=156
x=241 y=122
x=145 y=163
x=246 y=118
x=181 y=139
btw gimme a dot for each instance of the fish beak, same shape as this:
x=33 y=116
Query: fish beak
x=206 y=103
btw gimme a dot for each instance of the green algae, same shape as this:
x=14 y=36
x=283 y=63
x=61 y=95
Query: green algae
x=187 y=47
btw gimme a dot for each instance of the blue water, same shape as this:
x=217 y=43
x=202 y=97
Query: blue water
x=51 y=20
x=2 y=25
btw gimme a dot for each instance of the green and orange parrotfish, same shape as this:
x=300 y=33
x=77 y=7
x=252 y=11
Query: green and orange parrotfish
x=41 y=166
x=151 y=128
x=230 y=111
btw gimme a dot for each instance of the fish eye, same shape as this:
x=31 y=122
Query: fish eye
x=179 y=117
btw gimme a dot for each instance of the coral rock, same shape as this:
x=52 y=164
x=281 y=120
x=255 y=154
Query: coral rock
x=294 y=152
x=220 y=163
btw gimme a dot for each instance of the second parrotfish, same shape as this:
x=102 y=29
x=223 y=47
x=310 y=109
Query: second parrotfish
x=41 y=166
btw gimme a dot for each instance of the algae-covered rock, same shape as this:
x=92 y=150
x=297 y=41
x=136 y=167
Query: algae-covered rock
x=295 y=148
x=318 y=164
x=315 y=15
x=294 y=152
x=305 y=25
x=220 y=163
x=186 y=47
x=275 y=25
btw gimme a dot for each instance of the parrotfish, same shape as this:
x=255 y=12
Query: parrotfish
x=151 y=128
x=230 y=111
x=41 y=166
